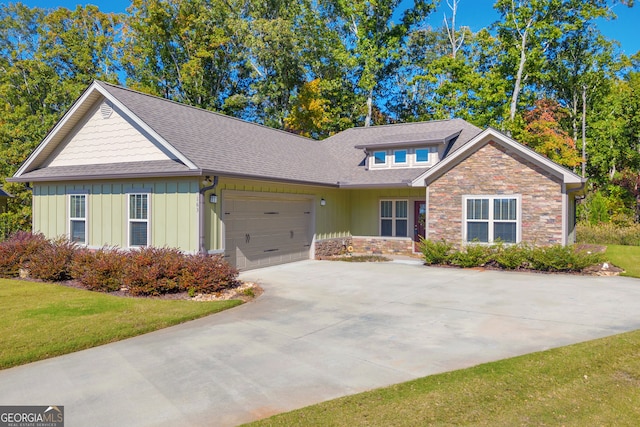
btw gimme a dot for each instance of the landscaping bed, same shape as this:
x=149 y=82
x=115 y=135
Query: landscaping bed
x=585 y=259
x=144 y=272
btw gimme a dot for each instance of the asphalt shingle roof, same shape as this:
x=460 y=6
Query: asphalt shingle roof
x=219 y=144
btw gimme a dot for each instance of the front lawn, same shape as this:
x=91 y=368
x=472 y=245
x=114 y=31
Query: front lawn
x=626 y=257
x=588 y=384
x=41 y=320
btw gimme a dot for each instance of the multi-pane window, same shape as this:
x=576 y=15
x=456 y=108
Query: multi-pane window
x=491 y=219
x=402 y=157
x=138 y=219
x=78 y=218
x=393 y=218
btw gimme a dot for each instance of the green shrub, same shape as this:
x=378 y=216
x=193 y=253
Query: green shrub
x=207 y=274
x=100 y=270
x=435 y=252
x=153 y=271
x=562 y=258
x=17 y=250
x=52 y=262
x=512 y=257
x=472 y=255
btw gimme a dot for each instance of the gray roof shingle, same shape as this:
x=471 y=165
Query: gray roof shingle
x=219 y=144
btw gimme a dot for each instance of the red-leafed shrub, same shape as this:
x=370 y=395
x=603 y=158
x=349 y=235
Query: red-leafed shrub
x=52 y=261
x=16 y=252
x=100 y=270
x=153 y=271
x=207 y=274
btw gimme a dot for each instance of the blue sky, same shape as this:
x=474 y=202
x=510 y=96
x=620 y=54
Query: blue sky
x=473 y=13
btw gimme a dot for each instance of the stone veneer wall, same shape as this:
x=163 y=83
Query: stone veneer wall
x=493 y=171
x=331 y=247
x=383 y=245
x=364 y=245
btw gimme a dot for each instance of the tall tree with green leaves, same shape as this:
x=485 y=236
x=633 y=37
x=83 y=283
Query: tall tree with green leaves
x=372 y=41
x=47 y=58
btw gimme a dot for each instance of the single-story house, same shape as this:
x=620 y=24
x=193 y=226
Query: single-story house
x=126 y=169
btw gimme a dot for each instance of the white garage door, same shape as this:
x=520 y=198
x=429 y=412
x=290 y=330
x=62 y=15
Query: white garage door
x=263 y=231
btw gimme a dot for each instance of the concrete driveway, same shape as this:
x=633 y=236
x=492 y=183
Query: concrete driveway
x=323 y=330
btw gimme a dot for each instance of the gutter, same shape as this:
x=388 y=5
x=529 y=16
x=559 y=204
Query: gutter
x=201 y=221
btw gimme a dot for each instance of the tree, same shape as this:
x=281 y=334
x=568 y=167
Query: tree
x=371 y=40
x=544 y=134
x=46 y=60
x=309 y=114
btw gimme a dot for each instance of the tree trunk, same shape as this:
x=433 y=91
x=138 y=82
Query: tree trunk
x=584 y=131
x=518 y=83
x=367 y=120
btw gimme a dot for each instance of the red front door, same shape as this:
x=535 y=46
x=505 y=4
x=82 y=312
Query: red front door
x=419 y=216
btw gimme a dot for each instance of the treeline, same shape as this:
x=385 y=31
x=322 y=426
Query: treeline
x=543 y=72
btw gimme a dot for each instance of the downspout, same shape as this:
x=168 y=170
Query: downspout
x=201 y=220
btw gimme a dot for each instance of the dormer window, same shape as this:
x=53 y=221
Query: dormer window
x=380 y=157
x=418 y=157
x=400 y=157
x=422 y=155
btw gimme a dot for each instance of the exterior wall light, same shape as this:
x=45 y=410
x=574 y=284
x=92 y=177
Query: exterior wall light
x=323 y=202
x=213 y=198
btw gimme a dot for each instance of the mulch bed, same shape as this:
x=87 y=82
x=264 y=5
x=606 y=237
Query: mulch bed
x=237 y=292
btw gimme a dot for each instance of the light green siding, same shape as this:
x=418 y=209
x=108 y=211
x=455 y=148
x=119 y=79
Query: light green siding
x=173 y=211
x=365 y=207
x=346 y=212
x=331 y=220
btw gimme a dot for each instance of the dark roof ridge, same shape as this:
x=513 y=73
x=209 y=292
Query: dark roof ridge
x=402 y=124
x=304 y=138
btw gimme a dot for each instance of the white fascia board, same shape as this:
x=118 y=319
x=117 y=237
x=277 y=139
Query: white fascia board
x=491 y=134
x=47 y=140
x=96 y=87
x=146 y=127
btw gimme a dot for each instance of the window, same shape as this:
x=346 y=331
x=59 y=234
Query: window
x=393 y=218
x=400 y=157
x=138 y=219
x=491 y=219
x=380 y=157
x=422 y=155
x=78 y=218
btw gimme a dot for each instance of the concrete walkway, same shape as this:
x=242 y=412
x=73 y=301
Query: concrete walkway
x=323 y=330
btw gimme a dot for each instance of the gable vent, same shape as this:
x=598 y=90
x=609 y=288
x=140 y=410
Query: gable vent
x=106 y=110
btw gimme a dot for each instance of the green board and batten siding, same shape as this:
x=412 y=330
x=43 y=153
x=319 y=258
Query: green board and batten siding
x=331 y=220
x=174 y=207
x=365 y=207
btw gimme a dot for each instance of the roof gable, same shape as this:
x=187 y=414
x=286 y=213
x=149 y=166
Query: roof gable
x=80 y=112
x=104 y=135
x=506 y=142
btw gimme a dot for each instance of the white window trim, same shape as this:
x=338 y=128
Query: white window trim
x=411 y=158
x=393 y=217
x=430 y=156
x=407 y=155
x=84 y=193
x=135 y=192
x=491 y=221
x=379 y=165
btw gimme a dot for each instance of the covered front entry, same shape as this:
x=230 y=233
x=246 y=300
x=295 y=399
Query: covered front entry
x=263 y=230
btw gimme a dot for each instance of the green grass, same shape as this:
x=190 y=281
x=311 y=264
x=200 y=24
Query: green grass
x=41 y=320
x=626 y=257
x=588 y=384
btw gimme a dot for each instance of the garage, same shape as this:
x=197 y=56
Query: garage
x=264 y=230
